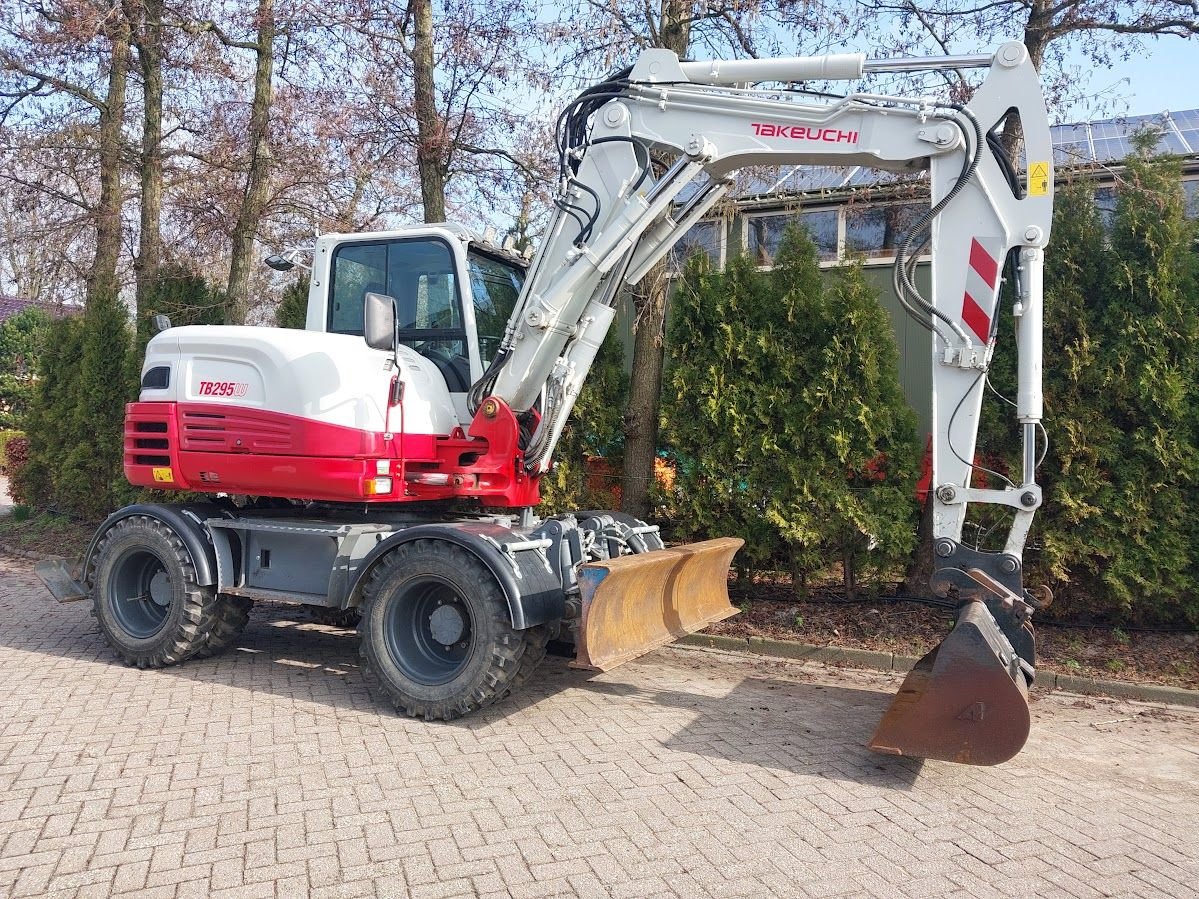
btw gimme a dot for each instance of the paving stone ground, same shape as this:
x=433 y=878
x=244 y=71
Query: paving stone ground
x=272 y=772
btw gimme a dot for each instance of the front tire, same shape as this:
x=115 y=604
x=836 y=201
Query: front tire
x=145 y=597
x=435 y=632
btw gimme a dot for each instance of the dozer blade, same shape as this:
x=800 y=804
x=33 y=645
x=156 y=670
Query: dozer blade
x=59 y=580
x=635 y=603
x=966 y=701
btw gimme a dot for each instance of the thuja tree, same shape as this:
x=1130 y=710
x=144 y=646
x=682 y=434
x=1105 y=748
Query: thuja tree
x=75 y=421
x=50 y=422
x=292 y=311
x=183 y=296
x=21 y=340
x=786 y=412
x=1117 y=537
x=91 y=481
x=716 y=414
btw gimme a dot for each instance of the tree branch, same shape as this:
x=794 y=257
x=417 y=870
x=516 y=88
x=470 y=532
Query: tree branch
x=211 y=27
x=11 y=62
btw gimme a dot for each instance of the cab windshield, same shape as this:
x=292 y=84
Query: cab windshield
x=494 y=286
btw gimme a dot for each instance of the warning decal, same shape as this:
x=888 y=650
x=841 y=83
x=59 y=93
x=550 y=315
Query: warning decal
x=1038 y=179
x=164 y=475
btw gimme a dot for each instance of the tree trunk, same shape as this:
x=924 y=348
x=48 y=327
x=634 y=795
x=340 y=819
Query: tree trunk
x=258 y=179
x=1038 y=31
x=919 y=575
x=103 y=277
x=430 y=149
x=645 y=392
x=645 y=381
x=148 y=39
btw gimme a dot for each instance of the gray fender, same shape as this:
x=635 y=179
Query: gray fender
x=533 y=591
x=187 y=521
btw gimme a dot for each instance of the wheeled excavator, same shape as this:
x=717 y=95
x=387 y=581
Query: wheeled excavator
x=387 y=457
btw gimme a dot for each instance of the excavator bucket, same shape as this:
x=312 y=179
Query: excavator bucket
x=966 y=701
x=635 y=603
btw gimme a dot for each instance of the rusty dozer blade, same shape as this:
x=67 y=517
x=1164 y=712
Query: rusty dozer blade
x=636 y=603
x=966 y=701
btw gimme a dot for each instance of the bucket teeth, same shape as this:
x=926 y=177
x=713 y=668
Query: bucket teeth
x=638 y=602
x=965 y=701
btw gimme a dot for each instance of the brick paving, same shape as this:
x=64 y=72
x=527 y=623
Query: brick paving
x=271 y=772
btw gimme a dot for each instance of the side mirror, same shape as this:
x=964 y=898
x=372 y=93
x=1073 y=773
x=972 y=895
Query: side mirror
x=379 y=321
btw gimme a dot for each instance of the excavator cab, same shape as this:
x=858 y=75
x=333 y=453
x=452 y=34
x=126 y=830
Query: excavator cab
x=452 y=295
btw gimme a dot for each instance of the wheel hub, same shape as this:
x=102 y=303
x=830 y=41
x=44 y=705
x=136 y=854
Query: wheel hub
x=428 y=630
x=160 y=589
x=447 y=625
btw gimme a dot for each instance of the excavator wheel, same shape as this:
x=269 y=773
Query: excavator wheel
x=230 y=617
x=435 y=634
x=145 y=597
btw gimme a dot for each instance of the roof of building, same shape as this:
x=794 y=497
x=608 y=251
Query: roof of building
x=1076 y=145
x=10 y=306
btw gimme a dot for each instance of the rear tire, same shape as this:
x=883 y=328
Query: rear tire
x=435 y=632
x=145 y=597
x=230 y=617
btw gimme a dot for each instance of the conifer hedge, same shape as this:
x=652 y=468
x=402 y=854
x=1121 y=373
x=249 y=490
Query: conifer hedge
x=1118 y=536
x=784 y=408
x=89 y=369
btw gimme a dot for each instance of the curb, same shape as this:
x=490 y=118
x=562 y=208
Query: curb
x=890 y=661
x=6 y=550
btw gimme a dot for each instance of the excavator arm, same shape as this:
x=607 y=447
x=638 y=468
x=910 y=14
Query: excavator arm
x=646 y=154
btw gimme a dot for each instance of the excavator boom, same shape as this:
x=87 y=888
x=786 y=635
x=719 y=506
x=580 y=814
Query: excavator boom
x=966 y=700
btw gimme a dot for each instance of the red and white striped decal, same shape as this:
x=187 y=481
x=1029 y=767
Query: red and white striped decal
x=981 y=279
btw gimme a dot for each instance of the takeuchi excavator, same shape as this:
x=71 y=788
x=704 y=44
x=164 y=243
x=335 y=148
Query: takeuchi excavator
x=386 y=459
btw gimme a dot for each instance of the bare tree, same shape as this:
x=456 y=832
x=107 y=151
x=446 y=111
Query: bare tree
x=146 y=34
x=438 y=84
x=51 y=58
x=1054 y=31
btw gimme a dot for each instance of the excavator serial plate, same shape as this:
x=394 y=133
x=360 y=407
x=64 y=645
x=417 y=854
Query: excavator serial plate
x=966 y=701
x=638 y=602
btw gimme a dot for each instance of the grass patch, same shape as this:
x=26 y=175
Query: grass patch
x=28 y=530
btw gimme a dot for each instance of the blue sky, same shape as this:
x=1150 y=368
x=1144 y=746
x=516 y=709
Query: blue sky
x=1165 y=76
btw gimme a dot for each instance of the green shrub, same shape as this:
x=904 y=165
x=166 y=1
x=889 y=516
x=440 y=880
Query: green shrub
x=292 y=311
x=75 y=424
x=21 y=339
x=785 y=409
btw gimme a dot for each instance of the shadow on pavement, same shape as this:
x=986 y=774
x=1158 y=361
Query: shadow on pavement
x=804 y=728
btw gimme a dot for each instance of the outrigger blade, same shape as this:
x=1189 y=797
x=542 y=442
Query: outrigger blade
x=966 y=701
x=635 y=603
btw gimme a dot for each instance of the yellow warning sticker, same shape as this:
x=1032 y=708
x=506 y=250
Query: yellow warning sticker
x=164 y=475
x=1038 y=179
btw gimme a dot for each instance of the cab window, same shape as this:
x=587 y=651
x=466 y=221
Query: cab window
x=419 y=274
x=494 y=287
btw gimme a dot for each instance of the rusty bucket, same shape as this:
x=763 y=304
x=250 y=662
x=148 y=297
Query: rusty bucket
x=635 y=603
x=966 y=701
